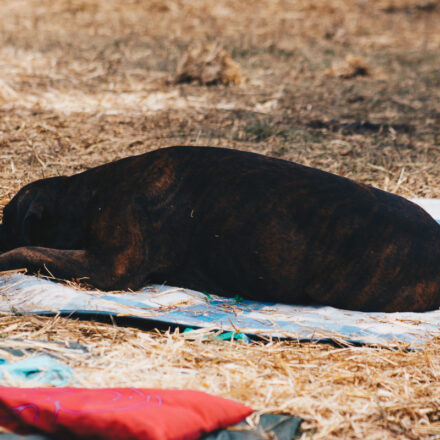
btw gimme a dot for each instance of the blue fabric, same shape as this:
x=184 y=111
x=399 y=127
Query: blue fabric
x=39 y=369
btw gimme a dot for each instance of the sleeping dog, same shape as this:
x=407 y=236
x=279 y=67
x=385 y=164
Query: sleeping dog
x=227 y=222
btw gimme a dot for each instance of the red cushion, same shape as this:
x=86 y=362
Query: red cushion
x=117 y=413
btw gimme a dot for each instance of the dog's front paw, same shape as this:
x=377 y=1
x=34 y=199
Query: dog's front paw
x=12 y=261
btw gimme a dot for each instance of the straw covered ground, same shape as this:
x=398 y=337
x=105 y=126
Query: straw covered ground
x=352 y=87
x=341 y=392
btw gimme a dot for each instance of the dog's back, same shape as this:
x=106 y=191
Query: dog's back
x=275 y=230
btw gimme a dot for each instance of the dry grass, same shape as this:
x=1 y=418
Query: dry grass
x=346 y=392
x=83 y=82
x=86 y=81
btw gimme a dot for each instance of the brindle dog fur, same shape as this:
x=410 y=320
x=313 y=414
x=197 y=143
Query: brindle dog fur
x=227 y=222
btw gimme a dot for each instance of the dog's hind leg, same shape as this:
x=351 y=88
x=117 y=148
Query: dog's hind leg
x=65 y=264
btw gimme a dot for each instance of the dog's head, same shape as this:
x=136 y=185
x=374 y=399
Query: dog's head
x=29 y=218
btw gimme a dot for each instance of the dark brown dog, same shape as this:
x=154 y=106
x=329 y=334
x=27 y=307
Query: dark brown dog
x=228 y=222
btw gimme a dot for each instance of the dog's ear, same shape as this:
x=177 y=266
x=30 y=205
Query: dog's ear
x=33 y=222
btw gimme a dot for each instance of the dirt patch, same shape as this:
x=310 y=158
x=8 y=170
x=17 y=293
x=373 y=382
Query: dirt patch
x=361 y=127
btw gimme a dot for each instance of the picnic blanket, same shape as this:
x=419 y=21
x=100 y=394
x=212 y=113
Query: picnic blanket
x=187 y=308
